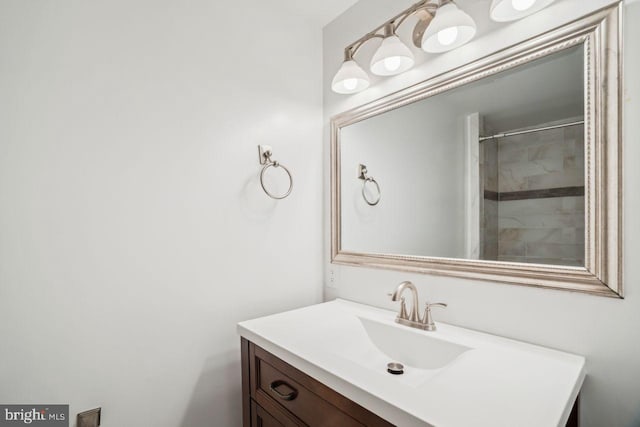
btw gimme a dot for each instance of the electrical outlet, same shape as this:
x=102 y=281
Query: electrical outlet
x=89 y=418
x=332 y=278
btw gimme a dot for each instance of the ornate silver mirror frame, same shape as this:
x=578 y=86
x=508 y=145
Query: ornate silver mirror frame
x=601 y=35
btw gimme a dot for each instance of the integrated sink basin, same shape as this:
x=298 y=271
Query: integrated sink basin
x=412 y=347
x=453 y=377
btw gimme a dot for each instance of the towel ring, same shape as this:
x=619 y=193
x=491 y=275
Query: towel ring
x=364 y=193
x=265 y=159
x=362 y=174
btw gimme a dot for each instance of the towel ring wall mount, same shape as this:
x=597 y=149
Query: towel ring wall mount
x=362 y=174
x=265 y=152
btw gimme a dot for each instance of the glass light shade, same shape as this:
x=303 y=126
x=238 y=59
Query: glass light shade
x=511 y=10
x=449 y=29
x=392 y=57
x=350 y=78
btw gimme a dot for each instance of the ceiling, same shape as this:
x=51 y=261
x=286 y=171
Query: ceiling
x=544 y=90
x=319 y=11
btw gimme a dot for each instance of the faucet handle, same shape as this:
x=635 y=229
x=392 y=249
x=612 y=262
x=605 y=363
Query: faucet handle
x=436 y=304
x=403 y=307
x=428 y=318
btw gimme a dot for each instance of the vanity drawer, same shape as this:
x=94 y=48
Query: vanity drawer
x=297 y=399
x=306 y=401
x=270 y=417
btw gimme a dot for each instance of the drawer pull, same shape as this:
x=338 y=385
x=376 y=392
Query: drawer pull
x=289 y=396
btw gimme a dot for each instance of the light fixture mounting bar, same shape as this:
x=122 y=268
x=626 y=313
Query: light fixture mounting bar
x=380 y=31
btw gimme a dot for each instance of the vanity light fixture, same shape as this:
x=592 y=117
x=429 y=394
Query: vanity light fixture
x=350 y=78
x=441 y=26
x=393 y=56
x=449 y=29
x=511 y=10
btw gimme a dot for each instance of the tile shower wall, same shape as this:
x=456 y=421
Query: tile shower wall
x=489 y=203
x=532 y=226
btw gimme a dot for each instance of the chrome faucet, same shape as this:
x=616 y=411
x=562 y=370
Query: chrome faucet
x=397 y=295
x=413 y=319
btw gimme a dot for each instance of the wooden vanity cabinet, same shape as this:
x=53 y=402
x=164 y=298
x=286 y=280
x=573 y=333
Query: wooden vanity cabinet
x=275 y=393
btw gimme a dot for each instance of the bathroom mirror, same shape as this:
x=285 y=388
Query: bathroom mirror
x=506 y=169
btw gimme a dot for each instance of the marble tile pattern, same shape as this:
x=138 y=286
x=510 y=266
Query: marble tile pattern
x=489 y=205
x=541 y=160
x=542 y=230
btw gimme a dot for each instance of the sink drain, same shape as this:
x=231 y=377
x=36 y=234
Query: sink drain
x=395 y=368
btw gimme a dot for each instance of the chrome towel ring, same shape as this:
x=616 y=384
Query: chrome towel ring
x=265 y=159
x=362 y=174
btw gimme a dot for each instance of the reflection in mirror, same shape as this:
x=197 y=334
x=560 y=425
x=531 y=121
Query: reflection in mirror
x=491 y=170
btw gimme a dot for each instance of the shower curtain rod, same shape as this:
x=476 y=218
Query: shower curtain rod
x=521 y=132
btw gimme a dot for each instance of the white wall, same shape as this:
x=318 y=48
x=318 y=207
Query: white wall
x=420 y=174
x=133 y=233
x=602 y=329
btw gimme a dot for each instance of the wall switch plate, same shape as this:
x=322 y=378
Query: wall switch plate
x=90 y=418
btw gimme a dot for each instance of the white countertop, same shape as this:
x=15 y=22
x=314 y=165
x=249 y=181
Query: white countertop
x=497 y=383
